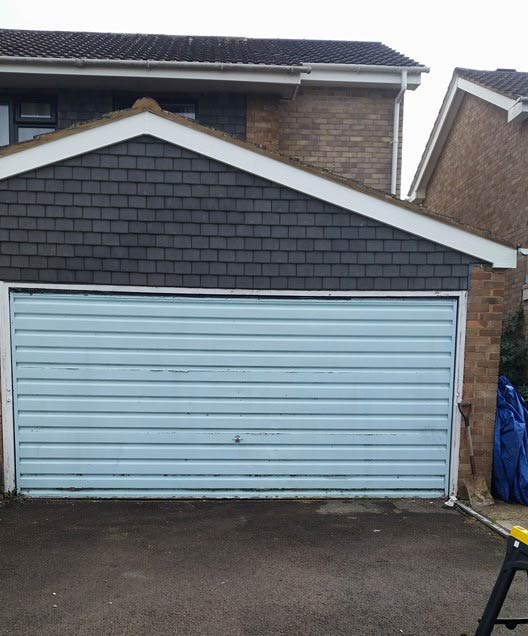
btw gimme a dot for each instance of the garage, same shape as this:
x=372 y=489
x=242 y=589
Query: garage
x=185 y=315
x=151 y=396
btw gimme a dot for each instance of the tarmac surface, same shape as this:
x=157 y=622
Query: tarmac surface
x=245 y=568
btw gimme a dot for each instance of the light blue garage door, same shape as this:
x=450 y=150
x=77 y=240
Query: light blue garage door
x=141 y=396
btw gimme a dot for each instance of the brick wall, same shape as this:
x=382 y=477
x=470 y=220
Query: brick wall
x=482 y=179
x=146 y=212
x=263 y=120
x=483 y=331
x=347 y=131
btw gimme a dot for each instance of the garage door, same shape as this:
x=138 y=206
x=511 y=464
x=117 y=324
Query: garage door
x=141 y=396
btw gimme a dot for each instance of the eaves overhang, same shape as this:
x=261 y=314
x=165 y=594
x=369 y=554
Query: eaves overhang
x=253 y=77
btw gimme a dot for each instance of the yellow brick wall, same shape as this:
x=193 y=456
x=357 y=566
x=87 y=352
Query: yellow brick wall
x=346 y=131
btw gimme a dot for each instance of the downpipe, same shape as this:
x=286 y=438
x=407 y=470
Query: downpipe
x=396 y=133
x=453 y=502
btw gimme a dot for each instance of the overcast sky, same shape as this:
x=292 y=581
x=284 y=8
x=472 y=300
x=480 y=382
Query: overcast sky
x=440 y=34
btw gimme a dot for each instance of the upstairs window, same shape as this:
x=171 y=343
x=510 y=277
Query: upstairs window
x=23 y=118
x=180 y=108
x=34 y=117
x=183 y=106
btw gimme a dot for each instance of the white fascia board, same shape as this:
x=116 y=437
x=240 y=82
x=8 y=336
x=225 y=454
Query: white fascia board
x=310 y=74
x=436 y=141
x=485 y=93
x=341 y=76
x=73 y=145
x=246 y=159
x=442 y=127
x=204 y=75
x=519 y=110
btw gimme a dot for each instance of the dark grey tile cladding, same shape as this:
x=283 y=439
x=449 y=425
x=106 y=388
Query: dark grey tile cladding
x=225 y=112
x=145 y=212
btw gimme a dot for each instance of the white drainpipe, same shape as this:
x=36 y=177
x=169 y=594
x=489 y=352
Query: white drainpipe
x=396 y=133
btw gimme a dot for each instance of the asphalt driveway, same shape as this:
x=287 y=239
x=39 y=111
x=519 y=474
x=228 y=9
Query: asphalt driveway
x=244 y=568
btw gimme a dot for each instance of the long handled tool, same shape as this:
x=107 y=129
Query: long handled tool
x=479 y=495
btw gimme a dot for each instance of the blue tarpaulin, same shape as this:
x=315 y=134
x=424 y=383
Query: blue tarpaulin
x=510 y=449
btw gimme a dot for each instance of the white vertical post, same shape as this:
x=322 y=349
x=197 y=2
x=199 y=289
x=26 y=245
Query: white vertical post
x=458 y=387
x=8 y=436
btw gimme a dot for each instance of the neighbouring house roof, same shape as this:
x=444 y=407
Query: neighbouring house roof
x=186 y=48
x=505 y=88
x=508 y=82
x=146 y=118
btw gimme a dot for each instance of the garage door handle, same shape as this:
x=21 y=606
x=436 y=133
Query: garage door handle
x=237 y=439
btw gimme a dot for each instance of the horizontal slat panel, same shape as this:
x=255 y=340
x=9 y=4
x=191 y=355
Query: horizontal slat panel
x=226 y=359
x=100 y=343
x=162 y=436
x=221 y=482
x=138 y=396
x=230 y=451
x=243 y=390
x=251 y=469
x=70 y=326
x=88 y=374
x=194 y=493
x=321 y=406
x=76 y=419
x=231 y=308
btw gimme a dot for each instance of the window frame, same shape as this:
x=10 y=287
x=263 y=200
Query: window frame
x=18 y=121
x=7 y=101
x=120 y=101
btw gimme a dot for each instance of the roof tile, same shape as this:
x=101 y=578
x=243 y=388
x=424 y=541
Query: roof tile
x=508 y=82
x=179 y=48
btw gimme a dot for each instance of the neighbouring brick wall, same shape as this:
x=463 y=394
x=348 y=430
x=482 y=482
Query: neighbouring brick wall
x=483 y=332
x=145 y=212
x=347 y=131
x=481 y=179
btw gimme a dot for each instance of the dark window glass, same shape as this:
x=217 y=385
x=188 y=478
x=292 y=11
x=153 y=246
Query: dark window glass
x=36 y=110
x=25 y=133
x=33 y=116
x=4 y=124
x=186 y=110
x=183 y=107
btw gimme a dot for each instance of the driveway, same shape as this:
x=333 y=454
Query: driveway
x=244 y=568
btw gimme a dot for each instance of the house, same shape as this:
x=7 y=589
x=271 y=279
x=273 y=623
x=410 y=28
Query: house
x=334 y=105
x=475 y=169
x=186 y=313
x=475 y=165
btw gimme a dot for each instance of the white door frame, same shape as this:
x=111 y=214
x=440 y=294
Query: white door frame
x=6 y=377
